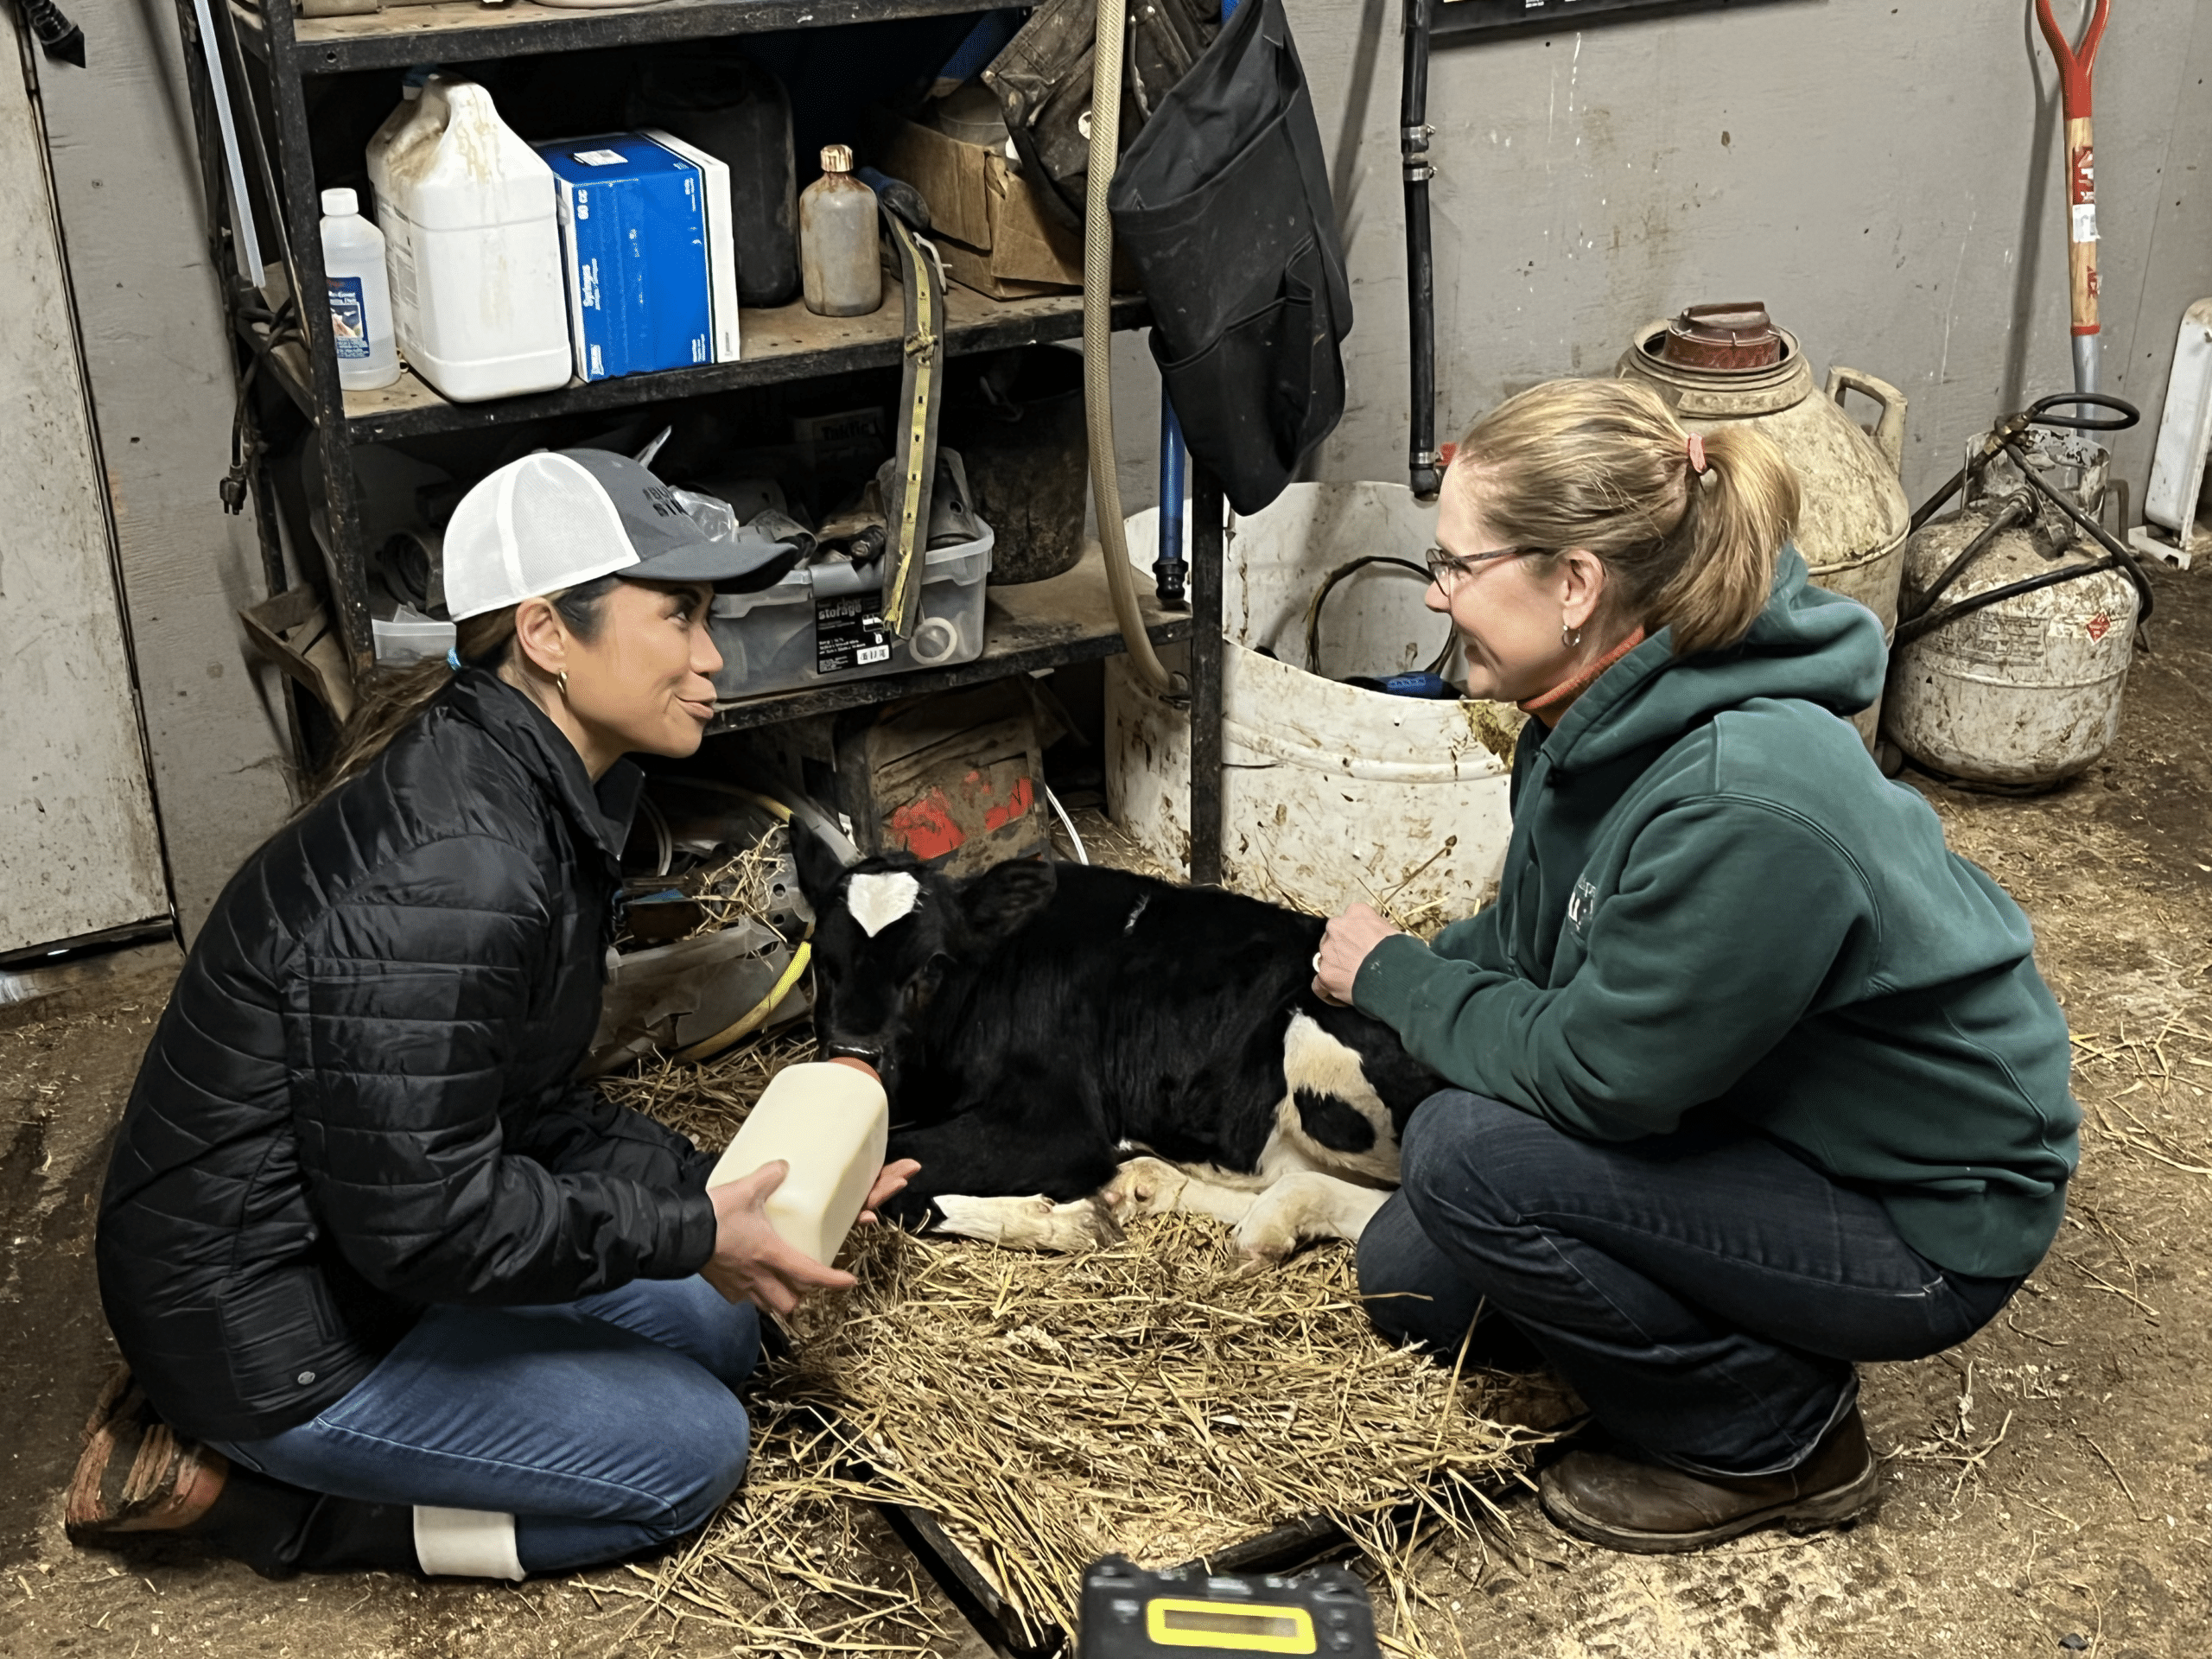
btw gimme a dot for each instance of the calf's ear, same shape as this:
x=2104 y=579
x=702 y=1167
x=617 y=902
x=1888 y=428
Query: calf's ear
x=1000 y=902
x=820 y=868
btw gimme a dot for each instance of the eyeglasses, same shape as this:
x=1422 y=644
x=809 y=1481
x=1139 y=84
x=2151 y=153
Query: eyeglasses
x=1448 y=571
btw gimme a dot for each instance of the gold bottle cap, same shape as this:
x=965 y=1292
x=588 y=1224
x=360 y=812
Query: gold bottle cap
x=836 y=158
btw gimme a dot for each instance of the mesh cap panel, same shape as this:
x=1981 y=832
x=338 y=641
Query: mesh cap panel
x=537 y=526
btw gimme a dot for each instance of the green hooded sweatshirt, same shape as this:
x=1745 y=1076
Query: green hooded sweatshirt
x=1713 y=899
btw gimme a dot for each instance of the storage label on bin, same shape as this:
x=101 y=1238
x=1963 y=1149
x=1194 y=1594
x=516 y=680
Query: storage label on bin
x=848 y=633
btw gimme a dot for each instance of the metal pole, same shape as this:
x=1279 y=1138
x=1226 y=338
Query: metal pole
x=1423 y=464
x=245 y=242
x=1206 y=562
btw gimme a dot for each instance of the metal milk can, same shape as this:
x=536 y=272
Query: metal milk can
x=1716 y=364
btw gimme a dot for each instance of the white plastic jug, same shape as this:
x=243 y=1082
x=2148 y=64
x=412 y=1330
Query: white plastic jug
x=473 y=242
x=831 y=1122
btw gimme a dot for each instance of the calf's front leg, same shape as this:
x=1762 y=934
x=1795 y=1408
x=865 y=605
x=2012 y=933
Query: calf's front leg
x=1300 y=1207
x=1010 y=1183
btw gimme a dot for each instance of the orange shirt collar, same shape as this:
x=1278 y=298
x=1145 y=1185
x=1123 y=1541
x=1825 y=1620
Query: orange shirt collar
x=1555 y=703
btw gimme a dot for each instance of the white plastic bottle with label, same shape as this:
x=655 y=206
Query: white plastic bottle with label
x=841 y=271
x=831 y=1122
x=360 y=301
x=473 y=234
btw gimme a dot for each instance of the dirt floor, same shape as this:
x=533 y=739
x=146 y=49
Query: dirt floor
x=2049 y=1484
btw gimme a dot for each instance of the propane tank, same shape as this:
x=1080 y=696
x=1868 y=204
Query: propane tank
x=2024 y=692
x=1718 y=364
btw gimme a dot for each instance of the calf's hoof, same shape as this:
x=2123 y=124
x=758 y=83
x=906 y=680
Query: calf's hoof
x=1143 y=1186
x=1028 y=1224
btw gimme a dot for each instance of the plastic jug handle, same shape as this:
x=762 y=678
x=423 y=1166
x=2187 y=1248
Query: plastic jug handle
x=1889 y=430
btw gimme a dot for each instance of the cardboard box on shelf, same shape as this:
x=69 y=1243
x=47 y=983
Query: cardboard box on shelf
x=995 y=235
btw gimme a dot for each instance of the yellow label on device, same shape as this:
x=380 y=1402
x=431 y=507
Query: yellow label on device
x=1172 y=1624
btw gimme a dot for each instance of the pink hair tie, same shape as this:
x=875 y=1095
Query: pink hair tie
x=1697 y=453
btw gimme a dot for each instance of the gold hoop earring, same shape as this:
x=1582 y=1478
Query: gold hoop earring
x=562 y=681
x=1569 y=637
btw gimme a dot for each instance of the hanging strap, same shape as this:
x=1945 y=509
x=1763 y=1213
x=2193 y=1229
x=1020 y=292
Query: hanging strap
x=906 y=504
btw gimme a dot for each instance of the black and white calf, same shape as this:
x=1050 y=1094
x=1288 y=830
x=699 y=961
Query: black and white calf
x=1066 y=1047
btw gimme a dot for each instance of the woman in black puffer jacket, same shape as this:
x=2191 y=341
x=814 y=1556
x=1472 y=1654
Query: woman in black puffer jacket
x=395 y=1289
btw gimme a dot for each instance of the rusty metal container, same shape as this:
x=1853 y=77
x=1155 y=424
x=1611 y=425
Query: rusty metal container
x=2024 y=692
x=1718 y=364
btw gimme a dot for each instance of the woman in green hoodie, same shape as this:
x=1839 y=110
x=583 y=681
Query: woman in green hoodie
x=1754 y=1077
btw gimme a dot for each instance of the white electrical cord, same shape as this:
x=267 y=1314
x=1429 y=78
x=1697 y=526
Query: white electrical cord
x=1067 y=824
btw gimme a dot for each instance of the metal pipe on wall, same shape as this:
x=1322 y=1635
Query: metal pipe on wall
x=1413 y=134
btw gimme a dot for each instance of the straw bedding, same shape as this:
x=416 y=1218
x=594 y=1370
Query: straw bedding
x=1148 y=1398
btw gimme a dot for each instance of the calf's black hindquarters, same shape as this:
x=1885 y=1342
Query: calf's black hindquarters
x=1147 y=1013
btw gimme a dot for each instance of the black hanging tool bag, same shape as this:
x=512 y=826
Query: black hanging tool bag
x=1222 y=204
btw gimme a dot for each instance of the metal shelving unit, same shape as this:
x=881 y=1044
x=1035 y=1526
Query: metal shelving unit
x=270 y=56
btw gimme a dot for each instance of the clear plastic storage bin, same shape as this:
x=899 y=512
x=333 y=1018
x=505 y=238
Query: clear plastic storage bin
x=824 y=623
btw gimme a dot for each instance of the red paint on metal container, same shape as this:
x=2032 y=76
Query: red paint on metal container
x=928 y=828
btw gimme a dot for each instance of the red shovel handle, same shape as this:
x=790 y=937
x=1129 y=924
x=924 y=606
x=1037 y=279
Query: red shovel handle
x=2074 y=68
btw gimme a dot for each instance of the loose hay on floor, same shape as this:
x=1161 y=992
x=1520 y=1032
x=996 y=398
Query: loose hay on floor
x=1149 y=1398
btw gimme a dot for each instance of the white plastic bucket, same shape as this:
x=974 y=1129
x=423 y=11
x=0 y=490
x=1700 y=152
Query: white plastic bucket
x=1332 y=794
x=472 y=242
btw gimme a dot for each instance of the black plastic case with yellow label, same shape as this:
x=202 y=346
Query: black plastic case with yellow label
x=1186 y=1613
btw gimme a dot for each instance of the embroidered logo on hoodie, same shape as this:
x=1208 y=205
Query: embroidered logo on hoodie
x=1580 y=904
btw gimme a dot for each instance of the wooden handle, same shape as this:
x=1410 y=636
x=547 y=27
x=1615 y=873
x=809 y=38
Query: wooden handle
x=2081 y=224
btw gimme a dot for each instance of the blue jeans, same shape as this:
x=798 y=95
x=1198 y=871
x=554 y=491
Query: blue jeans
x=1704 y=1292
x=604 y=1426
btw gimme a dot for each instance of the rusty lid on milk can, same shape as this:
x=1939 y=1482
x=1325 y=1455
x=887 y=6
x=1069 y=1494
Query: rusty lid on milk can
x=1738 y=335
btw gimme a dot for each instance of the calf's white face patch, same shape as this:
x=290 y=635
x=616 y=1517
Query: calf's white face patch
x=878 y=900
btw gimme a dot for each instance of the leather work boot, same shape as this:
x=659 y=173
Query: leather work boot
x=1653 y=1509
x=135 y=1474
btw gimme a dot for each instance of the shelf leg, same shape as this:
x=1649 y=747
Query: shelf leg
x=1207 y=549
x=345 y=559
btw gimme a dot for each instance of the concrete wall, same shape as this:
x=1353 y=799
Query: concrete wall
x=120 y=132
x=1884 y=174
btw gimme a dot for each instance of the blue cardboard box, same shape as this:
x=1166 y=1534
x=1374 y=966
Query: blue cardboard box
x=635 y=238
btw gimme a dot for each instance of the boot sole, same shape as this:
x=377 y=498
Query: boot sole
x=1852 y=1501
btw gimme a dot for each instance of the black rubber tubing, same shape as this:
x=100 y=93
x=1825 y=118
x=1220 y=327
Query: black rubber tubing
x=2125 y=414
x=2119 y=555
x=1329 y=586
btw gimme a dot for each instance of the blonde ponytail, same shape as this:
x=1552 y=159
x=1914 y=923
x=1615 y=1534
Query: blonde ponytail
x=1604 y=466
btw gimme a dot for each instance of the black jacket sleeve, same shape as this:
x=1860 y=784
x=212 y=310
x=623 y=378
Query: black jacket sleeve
x=586 y=1133
x=402 y=1009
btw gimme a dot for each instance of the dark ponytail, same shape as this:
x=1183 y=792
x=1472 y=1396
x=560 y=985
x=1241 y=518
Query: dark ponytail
x=394 y=696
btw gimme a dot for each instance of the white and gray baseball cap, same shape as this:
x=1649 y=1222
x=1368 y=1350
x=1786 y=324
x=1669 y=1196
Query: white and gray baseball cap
x=558 y=519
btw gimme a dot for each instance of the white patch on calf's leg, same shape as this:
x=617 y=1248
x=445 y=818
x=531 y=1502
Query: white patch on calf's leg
x=1304 y=1205
x=879 y=898
x=1028 y=1224
x=1153 y=1186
